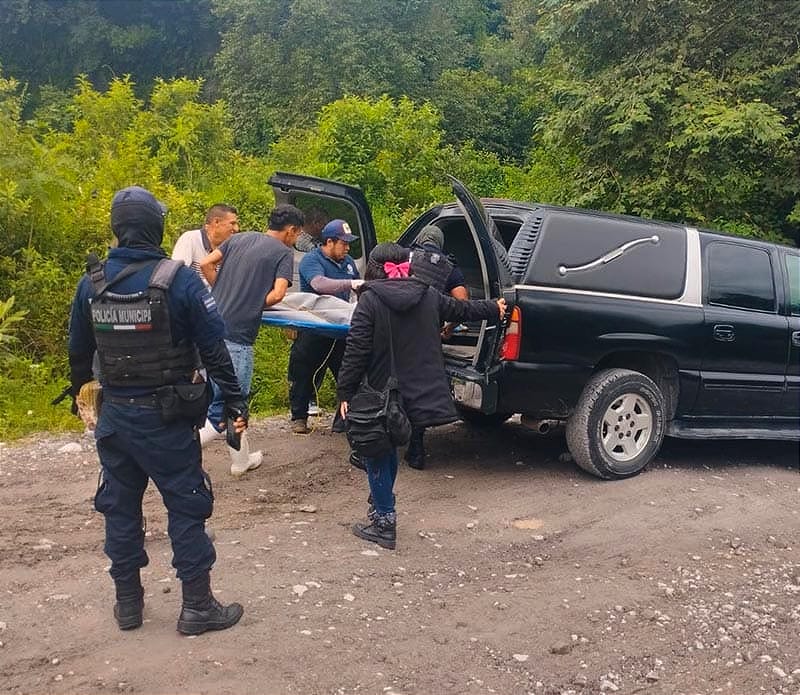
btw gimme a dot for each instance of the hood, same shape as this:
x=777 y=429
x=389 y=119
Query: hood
x=137 y=218
x=399 y=295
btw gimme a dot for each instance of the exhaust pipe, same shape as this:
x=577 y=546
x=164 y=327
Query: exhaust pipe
x=540 y=426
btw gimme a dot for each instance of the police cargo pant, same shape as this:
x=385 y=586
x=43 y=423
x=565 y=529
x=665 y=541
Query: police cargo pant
x=135 y=446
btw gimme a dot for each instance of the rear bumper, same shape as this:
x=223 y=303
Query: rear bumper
x=538 y=390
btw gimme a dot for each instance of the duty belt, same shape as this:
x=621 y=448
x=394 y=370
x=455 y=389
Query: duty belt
x=147 y=401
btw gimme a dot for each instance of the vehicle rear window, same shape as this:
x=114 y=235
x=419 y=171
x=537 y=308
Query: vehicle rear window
x=739 y=276
x=608 y=254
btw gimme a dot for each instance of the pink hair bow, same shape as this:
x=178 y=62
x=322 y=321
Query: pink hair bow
x=396 y=270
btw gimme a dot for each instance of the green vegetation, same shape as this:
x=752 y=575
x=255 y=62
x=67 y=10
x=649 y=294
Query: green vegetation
x=683 y=110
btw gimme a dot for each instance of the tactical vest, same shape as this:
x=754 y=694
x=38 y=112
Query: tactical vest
x=133 y=331
x=432 y=267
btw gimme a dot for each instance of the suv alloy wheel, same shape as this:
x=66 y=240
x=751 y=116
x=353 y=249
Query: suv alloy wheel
x=618 y=425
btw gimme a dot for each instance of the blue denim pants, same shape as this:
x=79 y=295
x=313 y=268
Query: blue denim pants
x=381 y=474
x=242 y=358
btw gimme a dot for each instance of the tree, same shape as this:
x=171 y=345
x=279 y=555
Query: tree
x=283 y=60
x=46 y=42
x=679 y=109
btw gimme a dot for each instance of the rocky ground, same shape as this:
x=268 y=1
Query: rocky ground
x=514 y=573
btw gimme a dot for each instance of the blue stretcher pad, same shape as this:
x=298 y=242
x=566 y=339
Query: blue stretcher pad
x=305 y=311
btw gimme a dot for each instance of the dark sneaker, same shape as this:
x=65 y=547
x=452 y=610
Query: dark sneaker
x=415 y=460
x=196 y=621
x=377 y=531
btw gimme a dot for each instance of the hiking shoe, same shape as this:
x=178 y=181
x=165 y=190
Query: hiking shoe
x=378 y=530
x=300 y=426
x=313 y=408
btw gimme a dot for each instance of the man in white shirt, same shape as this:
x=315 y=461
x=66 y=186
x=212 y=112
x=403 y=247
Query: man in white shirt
x=221 y=222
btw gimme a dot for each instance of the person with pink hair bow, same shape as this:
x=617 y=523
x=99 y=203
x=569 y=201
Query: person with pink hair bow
x=395 y=306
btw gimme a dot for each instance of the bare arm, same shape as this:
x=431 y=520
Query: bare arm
x=277 y=293
x=462 y=294
x=459 y=292
x=208 y=266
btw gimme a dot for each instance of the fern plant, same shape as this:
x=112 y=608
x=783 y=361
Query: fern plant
x=8 y=318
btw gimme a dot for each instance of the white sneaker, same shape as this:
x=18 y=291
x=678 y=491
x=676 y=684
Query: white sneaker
x=208 y=433
x=313 y=408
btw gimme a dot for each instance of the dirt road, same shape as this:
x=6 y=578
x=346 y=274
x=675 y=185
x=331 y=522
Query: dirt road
x=514 y=573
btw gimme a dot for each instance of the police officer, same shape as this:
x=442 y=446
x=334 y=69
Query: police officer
x=151 y=321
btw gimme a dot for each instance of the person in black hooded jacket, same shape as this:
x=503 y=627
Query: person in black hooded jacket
x=416 y=312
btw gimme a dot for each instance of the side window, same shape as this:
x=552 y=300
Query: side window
x=793 y=273
x=740 y=276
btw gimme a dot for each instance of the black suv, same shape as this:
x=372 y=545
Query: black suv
x=623 y=329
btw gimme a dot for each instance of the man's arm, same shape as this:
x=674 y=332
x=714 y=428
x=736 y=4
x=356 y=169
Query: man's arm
x=208 y=266
x=459 y=292
x=325 y=285
x=81 y=341
x=277 y=293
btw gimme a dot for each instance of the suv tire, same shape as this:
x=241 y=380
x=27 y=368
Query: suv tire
x=618 y=424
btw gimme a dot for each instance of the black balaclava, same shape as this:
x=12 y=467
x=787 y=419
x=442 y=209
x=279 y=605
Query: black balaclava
x=432 y=235
x=137 y=219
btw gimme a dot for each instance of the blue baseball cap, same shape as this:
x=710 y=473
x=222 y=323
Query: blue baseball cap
x=338 y=229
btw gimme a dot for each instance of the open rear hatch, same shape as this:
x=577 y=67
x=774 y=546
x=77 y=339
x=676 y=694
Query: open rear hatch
x=336 y=200
x=469 y=238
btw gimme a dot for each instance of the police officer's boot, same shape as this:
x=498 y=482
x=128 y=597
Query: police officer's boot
x=130 y=602
x=242 y=460
x=202 y=612
x=415 y=454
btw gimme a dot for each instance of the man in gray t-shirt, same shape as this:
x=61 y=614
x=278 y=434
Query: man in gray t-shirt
x=255 y=270
x=251 y=264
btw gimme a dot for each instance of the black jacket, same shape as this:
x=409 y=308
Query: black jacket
x=416 y=313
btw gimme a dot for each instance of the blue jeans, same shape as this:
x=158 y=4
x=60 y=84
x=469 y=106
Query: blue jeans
x=242 y=358
x=381 y=474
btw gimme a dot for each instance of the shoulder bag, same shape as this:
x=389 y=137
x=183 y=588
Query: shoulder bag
x=376 y=421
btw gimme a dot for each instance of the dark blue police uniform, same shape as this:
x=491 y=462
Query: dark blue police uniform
x=136 y=441
x=133 y=442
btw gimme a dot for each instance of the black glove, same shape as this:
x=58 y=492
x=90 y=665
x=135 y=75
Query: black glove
x=236 y=408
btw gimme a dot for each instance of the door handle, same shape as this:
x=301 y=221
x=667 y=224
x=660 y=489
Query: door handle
x=724 y=333
x=796 y=338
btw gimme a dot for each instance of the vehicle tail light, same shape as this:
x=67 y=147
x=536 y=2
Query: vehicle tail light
x=509 y=350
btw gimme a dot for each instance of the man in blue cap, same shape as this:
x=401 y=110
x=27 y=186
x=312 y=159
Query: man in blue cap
x=328 y=269
x=153 y=325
